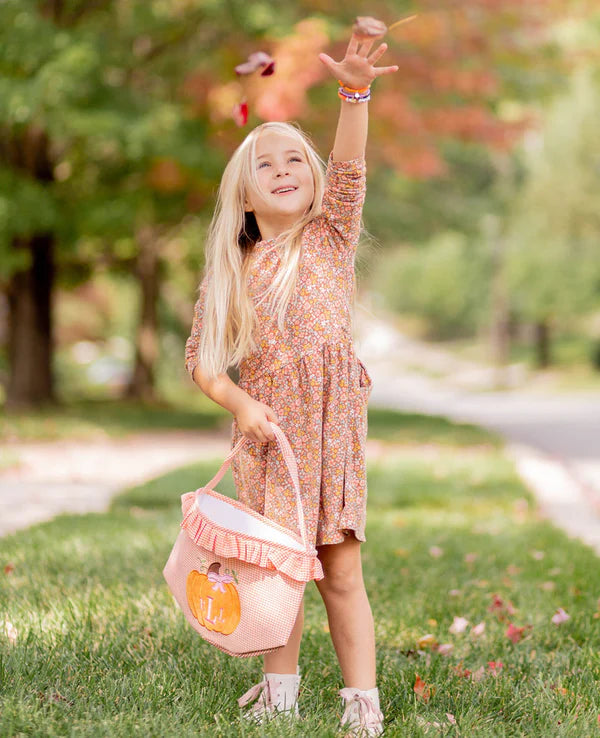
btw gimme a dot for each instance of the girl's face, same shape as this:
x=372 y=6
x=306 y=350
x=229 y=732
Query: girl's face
x=280 y=164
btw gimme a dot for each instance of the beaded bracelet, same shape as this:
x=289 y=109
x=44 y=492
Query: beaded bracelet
x=351 y=95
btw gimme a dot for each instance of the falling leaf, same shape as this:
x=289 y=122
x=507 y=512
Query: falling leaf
x=459 y=624
x=9 y=568
x=257 y=60
x=515 y=633
x=240 y=113
x=423 y=690
x=11 y=632
x=495 y=667
x=436 y=551
x=367 y=27
x=445 y=648
x=427 y=641
x=478 y=674
x=560 y=617
x=478 y=629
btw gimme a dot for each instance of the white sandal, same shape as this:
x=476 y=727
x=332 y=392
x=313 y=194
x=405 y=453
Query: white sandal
x=362 y=717
x=276 y=695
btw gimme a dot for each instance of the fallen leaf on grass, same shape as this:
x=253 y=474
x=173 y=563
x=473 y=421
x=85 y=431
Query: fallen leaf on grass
x=451 y=718
x=11 y=632
x=459 y=625
x=478 y=674
x=471 y=557
x=478 y=629
x=495 y=667
x=432 y=622
x=53 y=697
x=9 y=568
x=513 y=570
x=454 y=592
x=537 y=555
x=436 y=551
x=461 y=671
x=560 y=616
x=445 y=648
x=548 y=586
x=500 y=607
x=427 y=641
x=403 y=552
x=422 y=690
x=515 y=633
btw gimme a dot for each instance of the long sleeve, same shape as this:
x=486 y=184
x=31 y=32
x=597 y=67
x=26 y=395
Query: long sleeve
x=343 y=200
x=192 y=343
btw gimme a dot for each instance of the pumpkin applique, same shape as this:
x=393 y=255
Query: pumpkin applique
x=213 y=599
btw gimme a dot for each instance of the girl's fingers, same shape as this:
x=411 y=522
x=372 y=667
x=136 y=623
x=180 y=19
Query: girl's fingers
x=366 y=46
x=377 y=53
x=353 y=45
x=385 y=70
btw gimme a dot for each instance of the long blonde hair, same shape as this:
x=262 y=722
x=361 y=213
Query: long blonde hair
x=229 y=318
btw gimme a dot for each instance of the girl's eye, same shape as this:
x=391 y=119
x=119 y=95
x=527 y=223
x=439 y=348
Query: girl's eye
x=292 y=158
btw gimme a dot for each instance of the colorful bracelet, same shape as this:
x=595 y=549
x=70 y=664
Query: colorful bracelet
x=351 y=95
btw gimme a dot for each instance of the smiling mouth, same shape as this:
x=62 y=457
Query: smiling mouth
x=284 y=192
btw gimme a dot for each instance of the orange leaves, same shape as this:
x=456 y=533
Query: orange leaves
x=423 y=691
x=516 y=633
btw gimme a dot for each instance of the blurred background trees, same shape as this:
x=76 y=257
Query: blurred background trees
x=115 y=122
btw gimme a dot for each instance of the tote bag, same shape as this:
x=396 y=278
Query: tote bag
x=237 y=576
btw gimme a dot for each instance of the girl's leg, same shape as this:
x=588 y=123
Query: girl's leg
x=285 y=660
x=348 y=612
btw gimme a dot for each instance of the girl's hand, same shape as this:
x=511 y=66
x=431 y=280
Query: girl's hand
x=253 y=421
x=356 y=69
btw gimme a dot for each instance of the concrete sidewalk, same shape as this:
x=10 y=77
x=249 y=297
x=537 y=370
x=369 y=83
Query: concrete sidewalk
x=78 y=477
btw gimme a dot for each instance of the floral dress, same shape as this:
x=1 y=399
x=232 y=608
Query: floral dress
x=309 y=374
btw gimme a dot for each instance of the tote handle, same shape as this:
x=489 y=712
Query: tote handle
x=290 y=462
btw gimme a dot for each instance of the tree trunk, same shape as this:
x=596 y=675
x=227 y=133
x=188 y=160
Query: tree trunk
x=141 y=386
x=29 y=292
x=542 y=343
x=30 y=343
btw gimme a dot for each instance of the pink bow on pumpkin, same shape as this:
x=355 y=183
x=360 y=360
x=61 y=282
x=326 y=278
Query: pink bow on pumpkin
x=219 y=580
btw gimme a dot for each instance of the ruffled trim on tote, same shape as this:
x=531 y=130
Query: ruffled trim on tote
x=298 y=565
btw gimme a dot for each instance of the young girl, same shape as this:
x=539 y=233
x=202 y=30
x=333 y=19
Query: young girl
x=276 y=301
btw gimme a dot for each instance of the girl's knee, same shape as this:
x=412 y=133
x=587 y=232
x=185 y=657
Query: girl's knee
x=341 y=579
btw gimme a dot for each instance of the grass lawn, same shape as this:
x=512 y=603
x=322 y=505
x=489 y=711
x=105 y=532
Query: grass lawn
x=96 y=646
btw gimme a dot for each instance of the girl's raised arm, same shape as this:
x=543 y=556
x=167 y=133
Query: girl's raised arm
x=355 y=72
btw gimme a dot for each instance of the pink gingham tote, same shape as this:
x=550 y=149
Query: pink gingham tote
x=237 y=576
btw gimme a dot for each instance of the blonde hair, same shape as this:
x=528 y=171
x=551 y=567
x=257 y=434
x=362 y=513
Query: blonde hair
x=229 y=317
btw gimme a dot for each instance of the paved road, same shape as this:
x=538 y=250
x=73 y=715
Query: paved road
x=554 y=439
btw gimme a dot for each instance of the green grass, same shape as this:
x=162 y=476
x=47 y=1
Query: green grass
x=101 y=649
